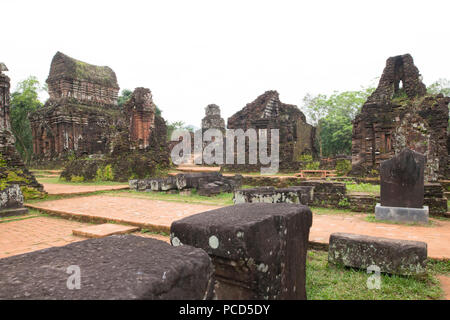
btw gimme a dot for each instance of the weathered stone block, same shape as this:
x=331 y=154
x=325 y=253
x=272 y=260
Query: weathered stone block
x=303 y=195
x=11 y=201
x=115 y=267
x=402 y=257
x=258 y=250
x=402 y=180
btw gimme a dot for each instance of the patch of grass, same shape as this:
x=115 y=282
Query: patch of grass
x=222 y=199
x=371 y=218
x=66 y=196
x=332 y=211
x=329 y=282
x=437 y=266
x=159 y=233
x=57 y=180
x=363 y=187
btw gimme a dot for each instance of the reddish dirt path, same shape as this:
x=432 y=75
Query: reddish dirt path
x=37 y=233
x=63 y=189
x=17 y=237
x=158 y=215
x=150 y=214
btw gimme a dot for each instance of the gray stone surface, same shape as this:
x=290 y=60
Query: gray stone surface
x=392 y=256
x=402 y=180
x=401 y=214
x=115 y=267
x=296 y=194
x=258 y=249
x=11 y=201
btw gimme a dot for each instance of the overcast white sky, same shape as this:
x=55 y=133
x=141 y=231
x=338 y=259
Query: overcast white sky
x=193 y=53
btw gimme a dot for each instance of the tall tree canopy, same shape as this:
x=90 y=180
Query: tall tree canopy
x=24 y=100
x=440 y=86
x=333 y=117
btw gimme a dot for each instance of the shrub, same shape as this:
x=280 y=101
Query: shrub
x=343 y=167
x=104 y=173
x=314 y=165
x=77 y=179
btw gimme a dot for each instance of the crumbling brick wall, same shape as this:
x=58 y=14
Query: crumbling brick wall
x=297 y=137
x=12 y=168
x=395 y=117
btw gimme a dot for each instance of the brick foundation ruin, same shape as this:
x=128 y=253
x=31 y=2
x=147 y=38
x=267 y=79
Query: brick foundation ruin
x=396 y=117
x=297 y=137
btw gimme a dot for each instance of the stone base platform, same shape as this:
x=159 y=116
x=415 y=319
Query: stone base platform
x=13 y=212
x=401 y=214
x=103 y=230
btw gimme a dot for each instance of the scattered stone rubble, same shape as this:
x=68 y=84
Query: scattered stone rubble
x=206 y=183
x=297 y=194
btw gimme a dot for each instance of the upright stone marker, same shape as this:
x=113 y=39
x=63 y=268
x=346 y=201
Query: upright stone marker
x=402 y=188
x=258 y=249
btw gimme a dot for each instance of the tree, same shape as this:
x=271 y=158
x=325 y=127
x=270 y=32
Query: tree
x=440 y=86
x=125 y=94
x=333 y=117
x=172 y=126
x=24 y=100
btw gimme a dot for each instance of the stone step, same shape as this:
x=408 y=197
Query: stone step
x=103 y=230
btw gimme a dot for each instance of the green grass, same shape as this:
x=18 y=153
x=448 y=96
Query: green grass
x=332 y=211
x=371 y=218
x=90 y=183
x=222 y=199
x=329 y=282
x=363 y=187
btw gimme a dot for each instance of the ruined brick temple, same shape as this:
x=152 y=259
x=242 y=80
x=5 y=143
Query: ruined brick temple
x=81 y=110
x=212 y=119
x=297 y=137
x=12 y=168
x=82 y=117
x=400 y=114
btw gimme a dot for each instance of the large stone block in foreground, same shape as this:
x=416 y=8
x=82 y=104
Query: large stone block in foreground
x=115 y=267
x=402 y=257
x=258 y=249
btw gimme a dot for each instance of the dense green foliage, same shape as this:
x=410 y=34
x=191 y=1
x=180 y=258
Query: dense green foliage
x=125 y=94
x=177 y=125
x=23 y=102
x=333 y=117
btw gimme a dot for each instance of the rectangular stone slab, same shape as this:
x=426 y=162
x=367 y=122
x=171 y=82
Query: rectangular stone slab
x=103 y=230
x=392 y=256
x=115 y=267
x=401 y=214
x=258 y=249
x=402 y=180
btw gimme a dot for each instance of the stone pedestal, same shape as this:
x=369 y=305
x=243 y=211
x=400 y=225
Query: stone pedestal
x=258 y=249
x=401 y=214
